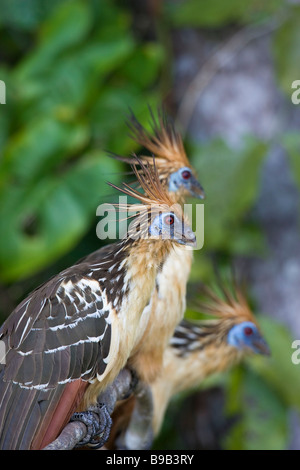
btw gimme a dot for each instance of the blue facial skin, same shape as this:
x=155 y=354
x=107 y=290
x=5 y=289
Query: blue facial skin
x=184 y=178
x=246 y=336
x=160 y=228
x=156 y=228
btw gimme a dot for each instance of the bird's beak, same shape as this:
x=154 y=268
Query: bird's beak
x=196 y=189
x=260 y=346
x=192 y=242
x=188 y=238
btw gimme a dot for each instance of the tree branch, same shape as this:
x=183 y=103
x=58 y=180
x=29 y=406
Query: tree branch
x=75 y=431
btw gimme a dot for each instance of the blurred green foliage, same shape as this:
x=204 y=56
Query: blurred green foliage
x=216 y=13
x=68 y=96
x=72 y=70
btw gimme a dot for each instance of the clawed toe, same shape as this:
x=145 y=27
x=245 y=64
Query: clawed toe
x=98 y=423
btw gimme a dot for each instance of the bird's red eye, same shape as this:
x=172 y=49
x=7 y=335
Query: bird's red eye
x=248 y=331
x=186 y=174
x=169 y=219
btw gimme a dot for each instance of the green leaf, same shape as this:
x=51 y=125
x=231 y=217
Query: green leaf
x=38 y=147
x=217 y=13
x=75 y=79
x=279 y=371
x=195 y=13
x=26 y=15
x=62 y=210
x=262 y=421
x=230 y=180
x=67 y=28
x=111 y=22
x=110 y=112
x=144 y=64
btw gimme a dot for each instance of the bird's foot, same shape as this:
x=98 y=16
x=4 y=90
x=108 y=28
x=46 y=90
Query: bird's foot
x=98 y=423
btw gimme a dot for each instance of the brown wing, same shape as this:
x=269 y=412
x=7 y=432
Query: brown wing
x=58 y=335
x=96 y=256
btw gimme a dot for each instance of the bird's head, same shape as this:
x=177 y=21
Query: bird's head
x=173 y=226
x=159 y=216
x=246 y=337
x=167 y=150
x=185 y=182
x=236 y=324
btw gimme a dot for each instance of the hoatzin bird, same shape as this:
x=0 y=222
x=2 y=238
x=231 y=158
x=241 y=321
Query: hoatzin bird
x=196 y=351
x=71 y=336
x=167 y=304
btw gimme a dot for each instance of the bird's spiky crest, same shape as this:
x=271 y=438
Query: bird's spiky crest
x=148 y=179
x=230 y=303
x=154 y=199
x=163 y=142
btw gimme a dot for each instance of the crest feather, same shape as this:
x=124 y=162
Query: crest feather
x=154 y=199
x=163 y=141
x=229 y=303
x=148 y=179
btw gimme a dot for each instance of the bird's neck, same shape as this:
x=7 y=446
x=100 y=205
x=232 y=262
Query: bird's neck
x=141 y=264
x=212 y=360
x=143 y=261
x=147 y=254
x=205 y=352
x=181 y=373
